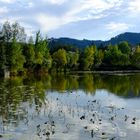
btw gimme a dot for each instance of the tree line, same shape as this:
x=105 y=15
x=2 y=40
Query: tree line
x=19 y=55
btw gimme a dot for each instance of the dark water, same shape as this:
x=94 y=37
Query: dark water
x=70 y=107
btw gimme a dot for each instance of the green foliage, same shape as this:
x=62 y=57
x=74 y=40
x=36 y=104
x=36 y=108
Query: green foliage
x=39 y=49
x=89 y=55
x=47 y=59
x=135 y=58
x=13 y=31
x=137 y=49
x=114 y=56
x=42 y=55
x=56 y=47
x=60 y=59
x=124 y=60
x=124 y=47
x=72 y=59
x=99 y=56
x=17 y=59
x=2 y=56
x=16 y=54
x=29 y=54
x=12 y=49
x=18 y=32
x=6 y=32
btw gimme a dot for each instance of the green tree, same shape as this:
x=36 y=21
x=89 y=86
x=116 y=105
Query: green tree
x=2 y=55
x=124 y=47
x=99 y=56
x=135 y=58
x=6 y=32
x=137 y=50
x=72 y=59
x=38 y=49
x=6 y=37
x=18 y=32
x=123 y=60
x=13 y=34
x=59 y=59
x=16 y=58
x=113 y=56
x=29 y=53
x=47 y=59
x=42 y=55
x=89 y=55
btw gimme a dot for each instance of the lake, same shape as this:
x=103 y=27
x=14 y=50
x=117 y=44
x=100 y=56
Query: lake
x=70 y=107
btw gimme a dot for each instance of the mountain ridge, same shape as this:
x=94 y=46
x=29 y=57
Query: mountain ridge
x=131 y=37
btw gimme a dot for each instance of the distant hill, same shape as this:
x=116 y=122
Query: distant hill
x=132 y=38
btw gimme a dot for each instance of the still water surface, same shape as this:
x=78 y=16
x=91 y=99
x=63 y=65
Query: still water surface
x=70 y=107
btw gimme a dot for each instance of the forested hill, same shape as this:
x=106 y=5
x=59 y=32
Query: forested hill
x=132 y=38
x=54 y=43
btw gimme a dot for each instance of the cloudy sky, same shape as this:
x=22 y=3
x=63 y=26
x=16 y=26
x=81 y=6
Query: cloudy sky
x=88 y=19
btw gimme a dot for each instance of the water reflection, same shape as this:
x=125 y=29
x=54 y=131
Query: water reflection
x=121 y=85
x=24 y=100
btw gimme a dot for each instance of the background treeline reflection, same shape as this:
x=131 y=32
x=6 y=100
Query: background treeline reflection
x=33 y=90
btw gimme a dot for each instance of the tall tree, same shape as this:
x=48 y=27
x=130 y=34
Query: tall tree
x=7 y=32
x=59 y=59
x=72 y=59
x=2 y=56
x=13 y=34
x=42 y=55
x=6 y=37
x=17 y=59
x=28 y=51
x=99 y=56
x=89 y=55
x=135 y=58
x=18 y=32
x=124 y=47
x=114 y=56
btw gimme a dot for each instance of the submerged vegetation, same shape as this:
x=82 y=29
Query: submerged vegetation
x=18 y=55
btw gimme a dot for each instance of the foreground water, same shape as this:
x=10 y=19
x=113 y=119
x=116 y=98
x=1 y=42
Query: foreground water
x=70 y=107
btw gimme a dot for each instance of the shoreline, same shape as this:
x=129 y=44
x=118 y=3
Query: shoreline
x=107 y=72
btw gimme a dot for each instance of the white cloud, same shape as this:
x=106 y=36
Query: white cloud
x=50 y=15
x=8 y=1
x=57 y=2
x=117 y=27
x=47 y=22
x=23 y=3
x=92 y=6
x=134 y=6
x=28 y=28
x=99 y=5
x=30 y=5
x=90 y=9
x=10 y=19
x=78 y=12
x=3 y=10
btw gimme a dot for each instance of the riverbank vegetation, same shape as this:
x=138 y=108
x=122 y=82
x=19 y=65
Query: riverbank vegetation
x=21 y=55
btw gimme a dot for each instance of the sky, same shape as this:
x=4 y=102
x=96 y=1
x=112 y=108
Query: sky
x=80 y=19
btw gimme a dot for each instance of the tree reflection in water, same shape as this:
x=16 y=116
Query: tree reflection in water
x=22 y=98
